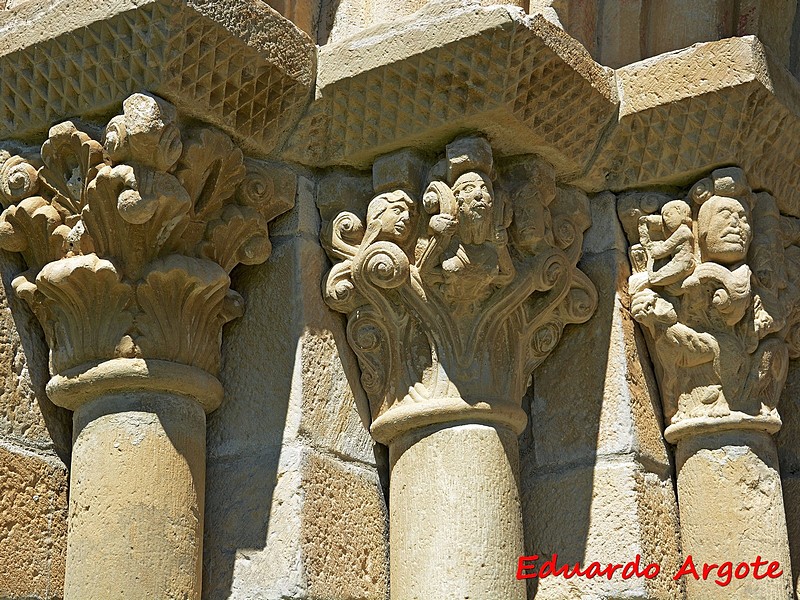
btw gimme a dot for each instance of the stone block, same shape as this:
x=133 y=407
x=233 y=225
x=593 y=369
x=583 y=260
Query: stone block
x=791 y=488
x=596 y=475
x=740 y=467
x=238 y=64
x=788 y=443
x=27 y=416
x=252 y=519
x=609 y=406
x=606 y=231
x=294 y=523
x=33 y=525
x=690 y=21
x=684 y=113
x=303 y=13
x=344 y=531
x=340 y=190
x=404 y=169
x=609 y=513
x=311 y=386
x=618 y=30
x=304 y=218
x=422 y=80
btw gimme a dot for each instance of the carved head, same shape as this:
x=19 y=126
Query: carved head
x=475 y=200
x=395 y=211
x=724 y=230
x=676 y=213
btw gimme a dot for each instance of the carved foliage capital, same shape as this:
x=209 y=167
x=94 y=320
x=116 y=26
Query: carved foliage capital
x=715 y=284
x=129 y=235
x=457 y=290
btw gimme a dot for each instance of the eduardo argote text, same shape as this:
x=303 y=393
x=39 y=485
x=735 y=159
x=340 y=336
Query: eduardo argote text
x=530 y=567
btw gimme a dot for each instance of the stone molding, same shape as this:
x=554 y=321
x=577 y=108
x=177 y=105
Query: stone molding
x=660 y=121
x=404 y=85
x=456 y=294
x=235 y=64
x=129 y=239
x=715 y=284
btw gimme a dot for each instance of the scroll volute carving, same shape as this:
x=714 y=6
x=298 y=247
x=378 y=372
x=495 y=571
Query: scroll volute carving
x=715 y=286
x=455 y=294
x=129 y=239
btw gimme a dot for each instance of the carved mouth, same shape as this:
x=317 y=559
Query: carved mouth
x=733 y=238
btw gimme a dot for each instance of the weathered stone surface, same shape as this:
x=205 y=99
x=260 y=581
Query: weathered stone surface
x=619 y=32
x=615 y=410
x=294 y=523
x=346 y=18
x=596 y=477
x=422 y=80
x=292 y=430
x=606 y=232
x=27 y=416
x=344 y=534
x=310 y=390
x=303 y=13
x=788 y=442
x=607 y=512
x=137 y=485
x=468 y=542
x=737 y=474
x=237 y=65
x=33 y=524
x=684 y=113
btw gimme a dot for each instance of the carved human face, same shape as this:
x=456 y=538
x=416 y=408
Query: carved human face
x=475 y=198
x=724 y=230
x=676 y=213
x=395 y=212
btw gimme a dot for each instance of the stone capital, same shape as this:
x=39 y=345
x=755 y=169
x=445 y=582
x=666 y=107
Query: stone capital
x=455 y=293
x=129 y=236
x=715 y=285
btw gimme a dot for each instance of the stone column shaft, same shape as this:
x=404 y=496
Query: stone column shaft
x=129 y=241
x=136 y=498
x=726 y=479
x=455 y=516
x=451 y=304
x=715 y=285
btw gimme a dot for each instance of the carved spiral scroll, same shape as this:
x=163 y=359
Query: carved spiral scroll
x=369 y=338
x=383 y=265
x=338 y=289
x=18 y=180
x=551 y=268
x=701 y=191
x=564 y=231
x=545 y=339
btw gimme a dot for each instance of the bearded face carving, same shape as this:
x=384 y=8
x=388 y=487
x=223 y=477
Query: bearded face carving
x=447 y=316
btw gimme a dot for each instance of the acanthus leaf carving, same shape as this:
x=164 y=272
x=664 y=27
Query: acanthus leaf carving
x=129 y=240
x=454 y=296
x=716 y=291
x=70 y=291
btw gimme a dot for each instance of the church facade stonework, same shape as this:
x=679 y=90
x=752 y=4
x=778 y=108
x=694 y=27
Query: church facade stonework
x=355 y=300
